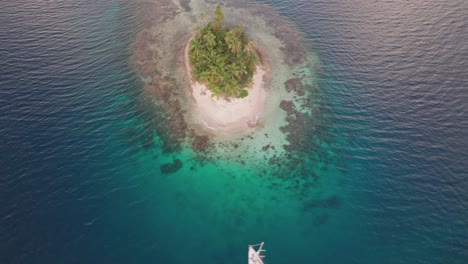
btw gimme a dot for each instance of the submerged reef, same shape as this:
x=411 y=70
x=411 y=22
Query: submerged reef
x=171 y=167
x=289 y=111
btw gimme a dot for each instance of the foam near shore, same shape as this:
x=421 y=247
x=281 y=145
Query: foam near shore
x=228 y=115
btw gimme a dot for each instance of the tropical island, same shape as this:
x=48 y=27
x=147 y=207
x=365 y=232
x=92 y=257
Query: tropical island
x=226 y=76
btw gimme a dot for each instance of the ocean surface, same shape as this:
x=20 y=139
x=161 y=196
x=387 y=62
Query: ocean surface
x=79 y=182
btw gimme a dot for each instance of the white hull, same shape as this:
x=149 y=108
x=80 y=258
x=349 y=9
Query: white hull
x=255 y=256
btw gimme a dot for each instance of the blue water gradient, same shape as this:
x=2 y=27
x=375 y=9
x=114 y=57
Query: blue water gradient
x=79 y=182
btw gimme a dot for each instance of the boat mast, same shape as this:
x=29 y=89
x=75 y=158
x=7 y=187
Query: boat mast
x=255 y=256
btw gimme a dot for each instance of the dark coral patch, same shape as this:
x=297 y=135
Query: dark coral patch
x=287 y=106
x=266 y=147
x=200 y=143
x=295 y=85
x=171 y=167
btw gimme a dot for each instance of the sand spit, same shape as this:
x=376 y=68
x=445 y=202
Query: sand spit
x=225 y=116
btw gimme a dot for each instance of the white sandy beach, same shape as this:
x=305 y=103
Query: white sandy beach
x=233 y=116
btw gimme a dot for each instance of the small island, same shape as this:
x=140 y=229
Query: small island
x=226 y=77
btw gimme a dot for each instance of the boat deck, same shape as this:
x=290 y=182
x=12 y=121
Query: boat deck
x=255 y=256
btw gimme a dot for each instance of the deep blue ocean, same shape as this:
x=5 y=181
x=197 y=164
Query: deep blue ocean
x=76 y=185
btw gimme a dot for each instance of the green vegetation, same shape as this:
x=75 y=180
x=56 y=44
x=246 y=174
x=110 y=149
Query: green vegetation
x=222 y=57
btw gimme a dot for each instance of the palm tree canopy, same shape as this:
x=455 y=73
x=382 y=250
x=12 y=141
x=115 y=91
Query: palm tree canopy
x=222 y=57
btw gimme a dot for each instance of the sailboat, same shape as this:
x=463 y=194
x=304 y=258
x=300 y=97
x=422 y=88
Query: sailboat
x=255 y=256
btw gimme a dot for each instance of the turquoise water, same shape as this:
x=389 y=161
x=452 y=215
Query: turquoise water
x=382 y=176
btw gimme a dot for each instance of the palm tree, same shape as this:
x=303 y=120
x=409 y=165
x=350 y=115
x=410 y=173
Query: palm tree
x=198 y=32
x=210 y=39
x=219 y=14
x=249 y=49
x=219 y=17
x=195 y=49
x=236 y=71
x=229 y=38
x=236 y=46
x=238 y=32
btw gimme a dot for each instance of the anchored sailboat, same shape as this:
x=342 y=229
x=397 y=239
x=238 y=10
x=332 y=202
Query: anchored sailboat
x=255 y=256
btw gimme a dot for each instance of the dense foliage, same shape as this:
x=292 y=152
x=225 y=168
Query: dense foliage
x=222 y=57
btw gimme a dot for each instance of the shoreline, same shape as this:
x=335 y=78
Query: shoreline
x=160 y=58
x=226 y=116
